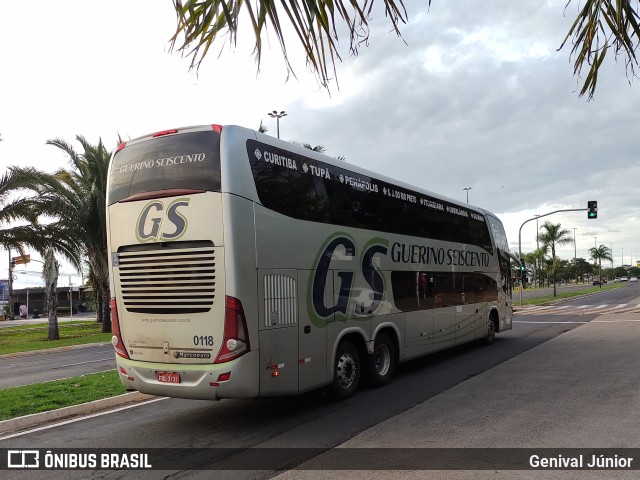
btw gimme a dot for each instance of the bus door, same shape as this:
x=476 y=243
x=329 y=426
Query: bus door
x=312 y=334
x=278 y=331
x=505 y=291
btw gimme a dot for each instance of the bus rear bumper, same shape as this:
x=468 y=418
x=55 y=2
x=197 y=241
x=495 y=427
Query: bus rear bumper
x=234 y=379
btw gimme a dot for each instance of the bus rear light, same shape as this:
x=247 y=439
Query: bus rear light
x=116 y=340
x=164 y=132
x=223 y=377
x=217 y=128
x=124 y=372
x=235 y=341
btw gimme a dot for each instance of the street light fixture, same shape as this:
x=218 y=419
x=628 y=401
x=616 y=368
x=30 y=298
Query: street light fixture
x=467 y=189
x=277 y=116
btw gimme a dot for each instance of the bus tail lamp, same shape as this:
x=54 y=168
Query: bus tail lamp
x=217 y=128
x=235 y=342
x=116 y=340
x=124 y=372
x=164 y=132
x=223 y=377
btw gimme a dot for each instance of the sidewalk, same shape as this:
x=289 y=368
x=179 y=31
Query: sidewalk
x=579 y=390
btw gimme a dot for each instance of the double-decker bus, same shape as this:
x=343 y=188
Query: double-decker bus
x=245 y=266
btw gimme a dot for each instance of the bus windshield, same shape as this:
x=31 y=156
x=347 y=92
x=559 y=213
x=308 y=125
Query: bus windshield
x=189 y=161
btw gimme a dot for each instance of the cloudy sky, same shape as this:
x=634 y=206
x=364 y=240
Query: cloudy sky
x=477 y=97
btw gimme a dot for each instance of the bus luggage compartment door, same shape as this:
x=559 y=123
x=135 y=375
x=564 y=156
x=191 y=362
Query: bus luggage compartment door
x=278 y=331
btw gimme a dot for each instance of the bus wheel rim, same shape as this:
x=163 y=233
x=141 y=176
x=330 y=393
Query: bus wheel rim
x=383 y=360
x=346 y=370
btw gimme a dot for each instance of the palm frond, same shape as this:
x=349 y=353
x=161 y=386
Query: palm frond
x=599 y=26
x=315 y=24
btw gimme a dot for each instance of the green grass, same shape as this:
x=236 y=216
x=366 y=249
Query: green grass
x=25 y=338
x=42 y=397
x=577 y=293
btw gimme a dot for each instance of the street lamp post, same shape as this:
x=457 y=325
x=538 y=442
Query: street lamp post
x=467 y=189
x=277 y=116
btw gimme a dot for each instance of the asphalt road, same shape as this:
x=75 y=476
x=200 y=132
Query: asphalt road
x=310 y=420
x=46 y=365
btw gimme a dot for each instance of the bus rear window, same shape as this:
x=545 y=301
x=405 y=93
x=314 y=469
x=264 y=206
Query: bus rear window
x=184 y=161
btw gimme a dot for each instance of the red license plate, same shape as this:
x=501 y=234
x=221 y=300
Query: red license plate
x=168 y=377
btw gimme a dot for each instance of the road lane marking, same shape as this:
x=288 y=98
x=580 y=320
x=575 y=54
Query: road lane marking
x=577 y=321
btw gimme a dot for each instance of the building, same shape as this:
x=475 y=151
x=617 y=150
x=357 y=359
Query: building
x=77 y=299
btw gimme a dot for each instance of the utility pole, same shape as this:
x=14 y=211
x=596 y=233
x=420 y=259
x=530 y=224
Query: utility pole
x=277 y=116
x=467 y=189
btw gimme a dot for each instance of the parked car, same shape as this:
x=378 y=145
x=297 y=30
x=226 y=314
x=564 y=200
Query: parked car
x=633 y=279
x=624 y=279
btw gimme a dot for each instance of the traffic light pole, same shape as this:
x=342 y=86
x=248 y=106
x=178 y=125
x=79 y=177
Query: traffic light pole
x=520 y=239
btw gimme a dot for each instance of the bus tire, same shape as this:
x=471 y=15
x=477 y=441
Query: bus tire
x=346 y=372
x=381 y=365
x=491 y=330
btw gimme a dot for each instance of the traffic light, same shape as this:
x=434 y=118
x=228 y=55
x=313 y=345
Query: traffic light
x=593 y=209
x=523 y=268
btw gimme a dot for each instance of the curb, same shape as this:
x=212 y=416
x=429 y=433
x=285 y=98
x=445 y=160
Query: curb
x=36 y=419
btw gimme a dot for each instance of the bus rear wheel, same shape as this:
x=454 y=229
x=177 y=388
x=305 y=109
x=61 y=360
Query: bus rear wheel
x=381 y=365
x=346 y=372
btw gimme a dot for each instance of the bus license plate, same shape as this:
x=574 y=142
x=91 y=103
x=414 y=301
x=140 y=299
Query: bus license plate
x=168 y=377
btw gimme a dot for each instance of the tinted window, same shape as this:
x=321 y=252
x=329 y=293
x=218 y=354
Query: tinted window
x=307 y=189
x=425 y=290
x=183 y=161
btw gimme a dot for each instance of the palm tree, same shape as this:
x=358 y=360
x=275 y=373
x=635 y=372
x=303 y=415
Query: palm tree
x=599 y=25
x=50 y=273
x=552 y=236
x=77 y=199
x=19 y=227
x=599 y=254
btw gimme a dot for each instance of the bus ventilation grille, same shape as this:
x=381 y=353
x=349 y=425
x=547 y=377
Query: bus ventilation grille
x=168 y=278
x=280 y=303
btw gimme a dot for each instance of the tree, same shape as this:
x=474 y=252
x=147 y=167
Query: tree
x=19 y=227
x=553 y=236
x=582 y=268
x=536 y=258
x=600 y=25
x=50 y=273
x=317 y=148
x=599 y=254
x=76 y=198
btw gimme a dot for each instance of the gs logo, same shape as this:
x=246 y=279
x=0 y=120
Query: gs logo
x=156 y=223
